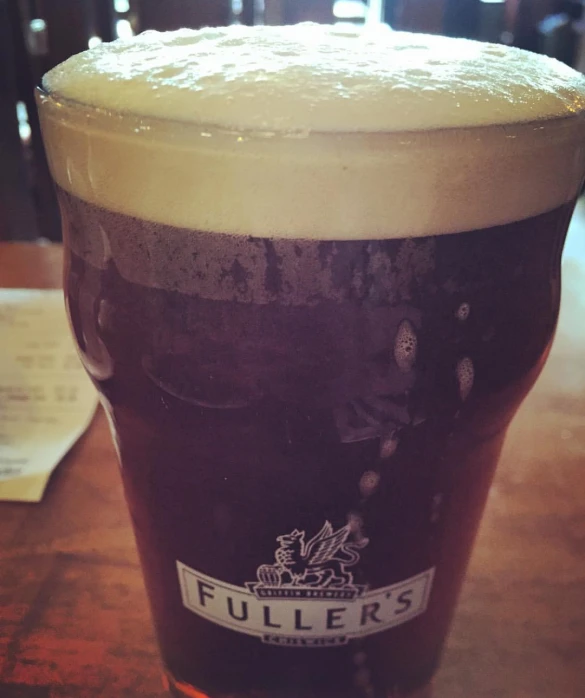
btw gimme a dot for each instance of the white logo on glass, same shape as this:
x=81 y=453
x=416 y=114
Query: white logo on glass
x=308 y=597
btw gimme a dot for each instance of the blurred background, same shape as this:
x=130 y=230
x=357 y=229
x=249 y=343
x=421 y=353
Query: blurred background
x=35 y=35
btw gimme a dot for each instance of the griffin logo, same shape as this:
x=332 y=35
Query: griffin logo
x=313 y=569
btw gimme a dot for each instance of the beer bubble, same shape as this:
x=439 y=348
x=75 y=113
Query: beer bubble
x=369 y=482
x=388 y=446
x=362 y=678
x=419 y=73
x=436 y=507
x=405 y=346
x=465 y=376
x=356 y=525
x=463 y=312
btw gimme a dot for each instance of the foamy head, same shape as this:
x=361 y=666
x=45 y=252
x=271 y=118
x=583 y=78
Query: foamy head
x=308 y=131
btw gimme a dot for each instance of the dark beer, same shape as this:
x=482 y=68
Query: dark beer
x=250 y=407
x=312 y=293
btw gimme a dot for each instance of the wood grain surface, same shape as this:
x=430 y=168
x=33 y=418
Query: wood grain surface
x=74 y=621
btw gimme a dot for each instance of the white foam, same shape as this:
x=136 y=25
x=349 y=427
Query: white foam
x=444 y=135
x=308 y=77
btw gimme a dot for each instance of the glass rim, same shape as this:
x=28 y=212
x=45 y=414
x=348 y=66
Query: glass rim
x=145 y=120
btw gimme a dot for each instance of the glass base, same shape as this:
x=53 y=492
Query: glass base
x=179 y=689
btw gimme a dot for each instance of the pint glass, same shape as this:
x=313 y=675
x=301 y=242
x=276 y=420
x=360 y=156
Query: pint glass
x=309 y=345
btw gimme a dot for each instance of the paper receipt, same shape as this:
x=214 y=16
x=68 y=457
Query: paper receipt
x=46 y=399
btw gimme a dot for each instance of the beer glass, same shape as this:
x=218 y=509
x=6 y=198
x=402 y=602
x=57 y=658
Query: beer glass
x=309 y=345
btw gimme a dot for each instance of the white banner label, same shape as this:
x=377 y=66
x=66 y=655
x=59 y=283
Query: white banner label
x=304 y=616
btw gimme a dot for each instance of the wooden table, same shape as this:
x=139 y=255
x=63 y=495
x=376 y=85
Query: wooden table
x=73 y=616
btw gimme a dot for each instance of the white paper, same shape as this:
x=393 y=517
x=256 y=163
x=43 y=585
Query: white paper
x=46 y=399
